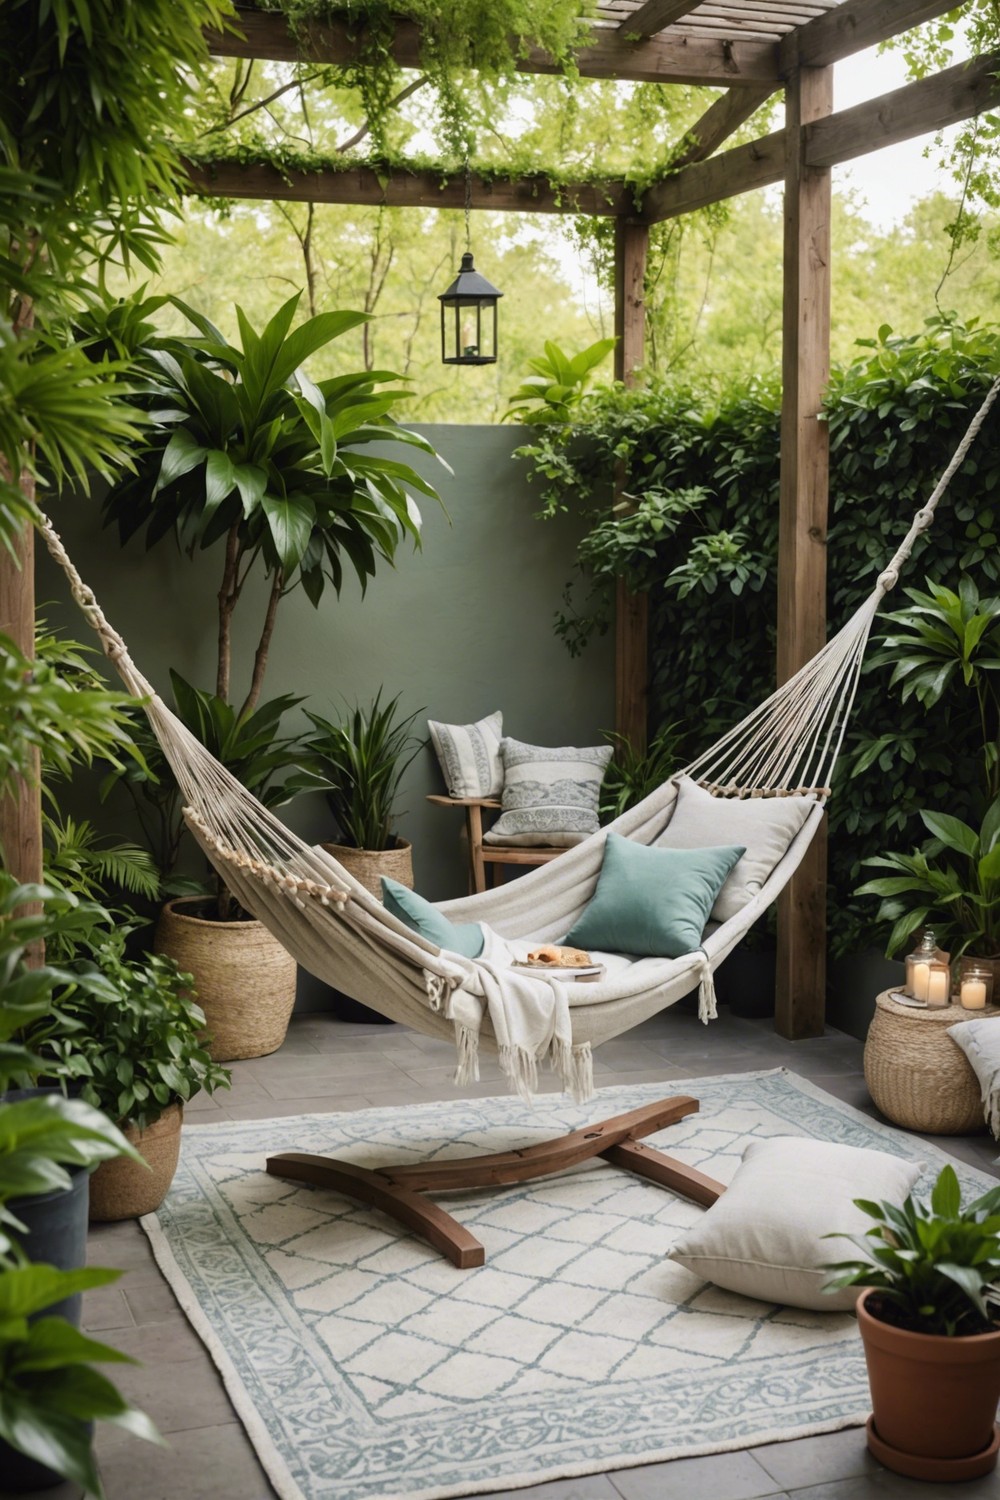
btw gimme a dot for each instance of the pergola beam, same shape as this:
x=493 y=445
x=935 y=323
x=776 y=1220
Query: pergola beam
x=719 y=122
x=656 y=59
x=943 y=99
x=851 y=27
x=401 y=189
x=918 y=108
x=655 y=15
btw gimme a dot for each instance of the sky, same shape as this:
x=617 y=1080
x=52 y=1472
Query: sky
x=889 y=180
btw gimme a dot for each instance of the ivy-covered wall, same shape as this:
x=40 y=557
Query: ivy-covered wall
x=702 y=536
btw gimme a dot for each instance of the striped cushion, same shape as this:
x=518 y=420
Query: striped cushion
x=470 y=756
x=549 y=795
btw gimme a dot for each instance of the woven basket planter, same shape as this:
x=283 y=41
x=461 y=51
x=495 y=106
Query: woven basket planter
x=915 y=1073
x=244 y=979
x=369 y=865
x=123 y=1189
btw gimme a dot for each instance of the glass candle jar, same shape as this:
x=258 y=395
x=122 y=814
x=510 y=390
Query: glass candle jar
x=975 y=984
x=918 y=966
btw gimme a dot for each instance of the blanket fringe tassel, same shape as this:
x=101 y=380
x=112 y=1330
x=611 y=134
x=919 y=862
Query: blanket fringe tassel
x=467 y=1046
x=707 y=1007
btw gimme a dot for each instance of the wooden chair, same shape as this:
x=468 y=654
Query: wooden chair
x=497 y=855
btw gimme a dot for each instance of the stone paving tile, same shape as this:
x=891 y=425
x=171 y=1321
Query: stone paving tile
x=316 y=1086
x=311 y=1104
x=105 y=1308
x=721 y=1476
x=882 y=1485
x=817 y=1460
x=157 y=1345
x=319 y=1065
x=150 y=1300
x=210 y=1463
x=588 y=1487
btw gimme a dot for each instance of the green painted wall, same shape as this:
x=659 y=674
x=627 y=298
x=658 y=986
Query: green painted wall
x=460 y=628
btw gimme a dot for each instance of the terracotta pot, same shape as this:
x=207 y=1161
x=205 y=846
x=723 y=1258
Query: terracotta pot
x=369 y=865
x=243 y=977
x=123 y=1189
x=934 y=1399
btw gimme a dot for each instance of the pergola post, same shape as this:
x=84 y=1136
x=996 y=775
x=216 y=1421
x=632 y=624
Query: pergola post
x=804 y=490
x=21 y=806
x=631 y=609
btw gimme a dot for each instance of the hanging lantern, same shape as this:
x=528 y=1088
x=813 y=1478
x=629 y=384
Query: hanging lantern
x=469 y=318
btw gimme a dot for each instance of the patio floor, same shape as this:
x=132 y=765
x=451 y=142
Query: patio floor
x=327 y=1064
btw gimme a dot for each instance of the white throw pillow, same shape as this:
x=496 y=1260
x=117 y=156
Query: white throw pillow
x=470 y=756
x=980 y=1041
x=764 y=1237
x=550 y=794
x=765 y=826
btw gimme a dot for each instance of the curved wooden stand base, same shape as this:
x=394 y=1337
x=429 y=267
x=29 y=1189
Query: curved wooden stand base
x=398 y=1191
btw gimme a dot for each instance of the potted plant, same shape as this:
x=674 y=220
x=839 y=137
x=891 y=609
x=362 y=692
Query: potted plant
x=244 y=978
x=362 y=758
x=135 y=1048
x=931 y=1330
x=245 y=453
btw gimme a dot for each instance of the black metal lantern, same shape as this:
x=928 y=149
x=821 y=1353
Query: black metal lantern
x=469 y=318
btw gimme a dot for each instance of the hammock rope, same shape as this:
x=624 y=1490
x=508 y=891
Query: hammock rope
x=787 y=745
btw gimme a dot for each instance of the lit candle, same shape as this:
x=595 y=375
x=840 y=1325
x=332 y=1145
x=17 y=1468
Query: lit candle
x=938 y=985
x=921 y=980
x=973 y=994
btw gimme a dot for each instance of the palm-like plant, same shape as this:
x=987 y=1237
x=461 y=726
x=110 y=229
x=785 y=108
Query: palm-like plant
x=362 y=759
x=247 y=451
x=558 y=383
x=961 y=899
x=942 y=637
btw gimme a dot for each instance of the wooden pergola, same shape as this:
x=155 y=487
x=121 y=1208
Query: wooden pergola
x=751 y=49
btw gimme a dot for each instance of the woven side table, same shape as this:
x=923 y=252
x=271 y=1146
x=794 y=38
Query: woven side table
x=916 y=1075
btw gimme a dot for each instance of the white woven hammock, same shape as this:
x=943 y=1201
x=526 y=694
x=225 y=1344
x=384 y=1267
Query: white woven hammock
x=338 y=931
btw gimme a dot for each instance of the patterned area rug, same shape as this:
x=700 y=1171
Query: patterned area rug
x=365 y=1366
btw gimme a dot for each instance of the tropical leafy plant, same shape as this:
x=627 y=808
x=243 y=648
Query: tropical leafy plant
x=932 y=1265
x=363 y=757
x=247 y=451
x=961 y=899
x=944 y=637
x=133 y=1044
x=559 y=383
x=631 y=775
x=49 y=1391
x=270 y=762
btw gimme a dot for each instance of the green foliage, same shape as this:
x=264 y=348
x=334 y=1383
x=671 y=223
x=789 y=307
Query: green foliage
x=932 y=1264
x=249 y=452
x=270 y=762
x=945 y=639
x=78 y=858
x=363 y=757
x=702 y=474
x=557 y=386
x=962 y=902
x=456 y=36
x=43 y=710
x=134 y=1044
x=631 y=775
x=49 y=1391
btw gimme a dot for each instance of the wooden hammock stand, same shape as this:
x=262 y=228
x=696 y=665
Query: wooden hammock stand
x=399 y=1191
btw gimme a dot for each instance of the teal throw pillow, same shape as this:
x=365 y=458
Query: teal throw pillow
x=423 y=917
x=652 y=902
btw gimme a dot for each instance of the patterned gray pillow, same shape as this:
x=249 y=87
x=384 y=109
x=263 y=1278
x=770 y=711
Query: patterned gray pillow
x=549 y=795
x=470 y=756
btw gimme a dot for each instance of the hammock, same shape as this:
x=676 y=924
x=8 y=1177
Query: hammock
x=341 y=933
